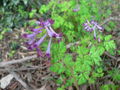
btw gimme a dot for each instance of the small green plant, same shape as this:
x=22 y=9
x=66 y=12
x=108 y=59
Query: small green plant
x=109 y=87
x=82 y=63
x=115 y=74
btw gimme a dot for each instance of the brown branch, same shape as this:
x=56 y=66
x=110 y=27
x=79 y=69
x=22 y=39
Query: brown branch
x=6 y=63
x=109 y=19
x=17 y=77
x=106 y=53
x=23 y=68
x=71 y=44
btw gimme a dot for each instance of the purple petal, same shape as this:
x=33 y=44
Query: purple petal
x=99 y=39
x=51 y=21
x=93 y=22
x=40 y=41
x=48 y=48
x=31 y=28
x=41 y=22
x=86 y=27
x=54 y=33
x=99 y=27
x=48 y=55
x=51 y=34
x=30 y=47
x=91 y=29
x=52 y=30
x=38 y=32
x=77 y=8
x=85 y=24
x=39 y=52
x=60 y=35
x=94 y=34
x=94 y=38
x=46 y=23
x=31 y=41
x=59 y=40
x=38 y=22
x=24 y=35
x=29 y=35
x=37 y=29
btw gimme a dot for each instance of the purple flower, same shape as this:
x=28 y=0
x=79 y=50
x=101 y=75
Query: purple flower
x=32 y=43
x=49 y=32
x=92 y=26
x=77 y=8
x=30 y=47
x=54 y=33
x=51 y=21
x=48 y=48
x=36 y=29
x=45 y=23
x=39 y=41
x=29 y=35
x=94 y=32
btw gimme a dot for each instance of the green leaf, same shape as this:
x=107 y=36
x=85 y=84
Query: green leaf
x=63 y=6
x=92 y=50
x=69 y=82
x=32 y=13
x=108 y=37
x=91 y=80
x=109 y=45
x=1 y=37
x=112 y=24
x=68 y=59
x=81 y=80
x=115 y=74
x=100 y=50
x=118 y=52
x=59 y=21
x=43 y=9
x=58 y=68
x=109 y=87
x=82 y=50
x=60 y=88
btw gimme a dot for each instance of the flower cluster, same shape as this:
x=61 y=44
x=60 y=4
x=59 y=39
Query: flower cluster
x=34 y=42
x=77 y=8
x=92 y=26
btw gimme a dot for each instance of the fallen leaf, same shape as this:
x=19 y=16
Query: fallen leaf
x=5 y=81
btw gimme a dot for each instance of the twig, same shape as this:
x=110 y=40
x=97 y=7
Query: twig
x=109 y=19
x=3 y=64
x=23 y=68
x=71 y=44
x=17 y=77
x=118 y=59
x=106 y=53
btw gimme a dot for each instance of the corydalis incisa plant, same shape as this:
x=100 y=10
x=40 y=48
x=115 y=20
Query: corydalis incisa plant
x=93 y=26
x=34 y=42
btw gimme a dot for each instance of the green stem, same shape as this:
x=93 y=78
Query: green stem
x=75 y=83
x=72 y=75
